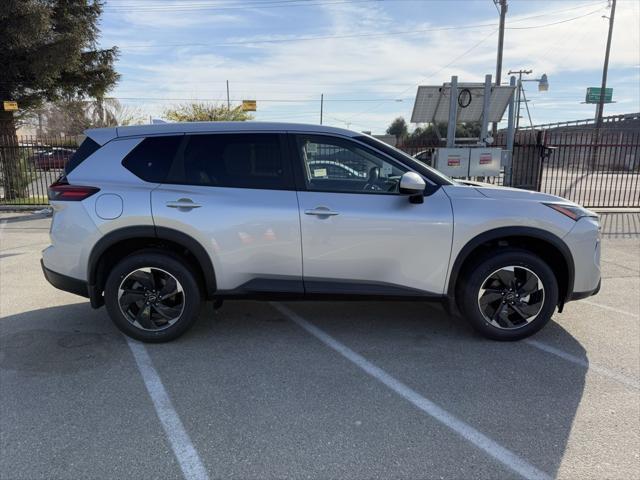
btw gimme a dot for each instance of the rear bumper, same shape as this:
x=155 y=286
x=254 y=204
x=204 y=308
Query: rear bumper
x=62 y=282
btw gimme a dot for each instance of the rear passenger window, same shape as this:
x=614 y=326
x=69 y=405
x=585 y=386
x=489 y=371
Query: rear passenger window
x=233 y=160
x=152 y=159
x=87 y=148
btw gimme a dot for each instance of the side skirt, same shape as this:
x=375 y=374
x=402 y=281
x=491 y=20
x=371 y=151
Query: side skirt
x=287 y=289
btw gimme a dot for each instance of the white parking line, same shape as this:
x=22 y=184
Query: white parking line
x=183 y=449
x=606 y=307
x=480 y=440
x=579 y=361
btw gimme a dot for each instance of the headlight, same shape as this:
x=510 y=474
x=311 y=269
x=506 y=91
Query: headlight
x=574 y=212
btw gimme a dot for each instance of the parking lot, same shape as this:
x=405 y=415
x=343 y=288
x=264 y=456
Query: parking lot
x=317 y=390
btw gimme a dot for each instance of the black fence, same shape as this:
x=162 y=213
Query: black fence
x=593 y=169
x=28 y=165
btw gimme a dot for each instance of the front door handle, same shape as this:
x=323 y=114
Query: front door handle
x=183 y=204
x=321 y=212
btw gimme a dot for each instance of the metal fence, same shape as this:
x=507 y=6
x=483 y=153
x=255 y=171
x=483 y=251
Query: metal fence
x=599 y=172
x=28 y=165
x=595 y=170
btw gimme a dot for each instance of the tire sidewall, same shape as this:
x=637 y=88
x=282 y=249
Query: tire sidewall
x=488 y=264
x=170 y=264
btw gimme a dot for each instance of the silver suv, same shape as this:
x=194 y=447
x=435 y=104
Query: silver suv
x=151 y=220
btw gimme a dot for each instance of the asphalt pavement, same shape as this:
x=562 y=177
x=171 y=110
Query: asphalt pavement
x=316 y=389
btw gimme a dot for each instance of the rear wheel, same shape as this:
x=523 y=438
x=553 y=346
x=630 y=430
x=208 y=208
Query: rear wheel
x=508 y=294
x=152 y=296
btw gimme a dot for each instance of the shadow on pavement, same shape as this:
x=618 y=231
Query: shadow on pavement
x=248 y=355
x=58 y=340
x=620 y=225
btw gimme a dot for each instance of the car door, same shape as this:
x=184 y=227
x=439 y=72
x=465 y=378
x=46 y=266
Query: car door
x=359 y=234
x=234 y=193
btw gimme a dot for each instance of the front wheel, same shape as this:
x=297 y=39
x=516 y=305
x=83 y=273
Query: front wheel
x=152 y=296
x=508 y=294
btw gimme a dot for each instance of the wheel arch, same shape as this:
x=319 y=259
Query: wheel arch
x=124 y=241
x=548 y=246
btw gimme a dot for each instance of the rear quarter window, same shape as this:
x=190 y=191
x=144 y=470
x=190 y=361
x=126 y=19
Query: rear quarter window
x=152 y=158
x=84 y=151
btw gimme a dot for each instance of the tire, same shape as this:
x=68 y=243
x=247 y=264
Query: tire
x=493 y=299
x=162 y=280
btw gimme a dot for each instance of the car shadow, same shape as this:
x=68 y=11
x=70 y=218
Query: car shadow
x=521 y=397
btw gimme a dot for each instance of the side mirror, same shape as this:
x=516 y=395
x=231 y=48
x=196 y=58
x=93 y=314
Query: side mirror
x=413 y=185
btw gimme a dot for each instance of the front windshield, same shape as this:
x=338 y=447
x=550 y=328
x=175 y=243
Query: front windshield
x=407 y=159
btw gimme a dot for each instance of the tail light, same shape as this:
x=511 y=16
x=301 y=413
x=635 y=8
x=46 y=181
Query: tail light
x=61 y=190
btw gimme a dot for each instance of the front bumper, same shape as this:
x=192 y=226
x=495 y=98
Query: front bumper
x=581 y=295
x=62 y=282
x=584 y=243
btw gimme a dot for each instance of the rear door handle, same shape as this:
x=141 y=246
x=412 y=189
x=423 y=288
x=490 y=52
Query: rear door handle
x=183 y=204
x=321 y=212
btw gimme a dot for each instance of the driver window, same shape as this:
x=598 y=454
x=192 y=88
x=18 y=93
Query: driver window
x=337 y=165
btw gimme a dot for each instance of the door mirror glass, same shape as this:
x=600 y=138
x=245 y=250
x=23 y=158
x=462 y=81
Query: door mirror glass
x=411 y=183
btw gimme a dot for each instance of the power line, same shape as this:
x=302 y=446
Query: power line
x=213 y=7
x=318 y=37
x=466 y=52
x=268 y=100
x=366 y=34
x=555 y=23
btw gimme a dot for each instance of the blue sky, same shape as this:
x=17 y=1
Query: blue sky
x=366 y=56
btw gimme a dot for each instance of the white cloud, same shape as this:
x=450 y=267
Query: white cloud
x=377 y=66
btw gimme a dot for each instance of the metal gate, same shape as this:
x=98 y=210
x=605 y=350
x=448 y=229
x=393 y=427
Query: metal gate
x=590 y=168
x=597 y=170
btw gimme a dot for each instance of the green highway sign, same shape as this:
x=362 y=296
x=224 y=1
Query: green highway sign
x=593 y=95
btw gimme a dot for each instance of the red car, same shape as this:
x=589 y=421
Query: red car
x=52 y=158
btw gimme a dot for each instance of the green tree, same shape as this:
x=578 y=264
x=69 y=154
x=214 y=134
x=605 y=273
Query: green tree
x=468 y=130
x=206 y=112
x=49 y=51
x=398 y=129
x=428 y=136
x=72 y=117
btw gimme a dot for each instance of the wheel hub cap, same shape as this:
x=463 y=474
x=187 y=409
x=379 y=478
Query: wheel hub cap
x=151 y=298
x=511 y=297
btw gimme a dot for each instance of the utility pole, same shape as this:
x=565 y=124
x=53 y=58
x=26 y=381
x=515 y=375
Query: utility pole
x=228 y=101
x=600 y=106
x=503 y=16
x=605 y=69
x=321 y=106
x=519 y=92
